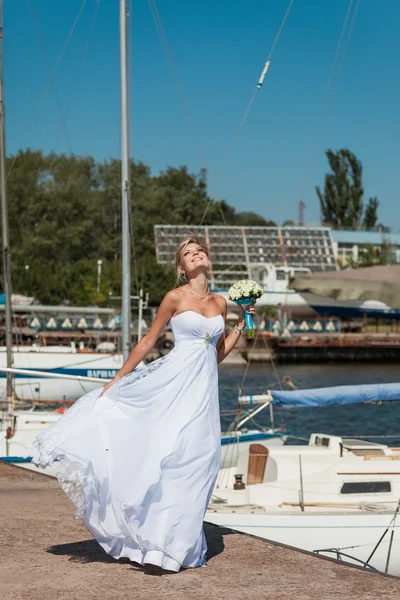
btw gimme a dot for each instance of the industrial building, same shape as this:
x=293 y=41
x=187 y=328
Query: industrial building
x=349 y=245
x=250 y=252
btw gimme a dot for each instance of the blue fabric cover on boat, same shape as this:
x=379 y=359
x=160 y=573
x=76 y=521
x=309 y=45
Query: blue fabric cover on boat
x=344 y=394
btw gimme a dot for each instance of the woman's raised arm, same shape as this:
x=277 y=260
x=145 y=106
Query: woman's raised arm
x=165 y=311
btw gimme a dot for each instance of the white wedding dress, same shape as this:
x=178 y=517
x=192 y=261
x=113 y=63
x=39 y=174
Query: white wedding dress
x=140 y=462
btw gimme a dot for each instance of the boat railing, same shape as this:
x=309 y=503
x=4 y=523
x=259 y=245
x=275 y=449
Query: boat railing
x=366 y=564
x=340 y=555
x=264 y=400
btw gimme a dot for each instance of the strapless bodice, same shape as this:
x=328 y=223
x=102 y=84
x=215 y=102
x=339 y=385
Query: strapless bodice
x=190 y=327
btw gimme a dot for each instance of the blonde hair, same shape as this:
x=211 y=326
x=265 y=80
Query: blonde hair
x=191 y=239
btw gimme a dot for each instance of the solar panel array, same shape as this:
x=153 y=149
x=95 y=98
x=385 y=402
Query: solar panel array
x=235 y=250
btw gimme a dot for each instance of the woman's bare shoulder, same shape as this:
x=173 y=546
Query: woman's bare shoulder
x=222 y=303
x=174 y=294
x=173 y=297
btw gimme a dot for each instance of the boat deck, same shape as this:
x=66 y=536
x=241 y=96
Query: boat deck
x=46 y=554
x=317 y=508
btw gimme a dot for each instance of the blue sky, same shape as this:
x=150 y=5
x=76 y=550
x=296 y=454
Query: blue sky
x=219 y=48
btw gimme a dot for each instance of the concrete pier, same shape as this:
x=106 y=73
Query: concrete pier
x=45 y=554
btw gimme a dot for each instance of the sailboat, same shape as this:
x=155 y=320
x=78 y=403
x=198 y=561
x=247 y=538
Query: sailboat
x=337 y=497
x=19 y=428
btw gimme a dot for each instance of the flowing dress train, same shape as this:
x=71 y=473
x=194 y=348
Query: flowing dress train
x=140 y=462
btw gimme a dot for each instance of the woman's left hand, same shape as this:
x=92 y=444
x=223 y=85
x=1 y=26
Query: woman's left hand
x=250 y=309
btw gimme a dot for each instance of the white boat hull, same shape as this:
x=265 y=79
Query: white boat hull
x=357 y=534
x=60 y=360
x=28 y=424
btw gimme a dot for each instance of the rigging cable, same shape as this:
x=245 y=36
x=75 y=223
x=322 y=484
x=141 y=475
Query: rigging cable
x=46 y=61
x=23 y=93
x=246 y=112
x=274 y=368
x=326 y=102
x=80 y=64
x=131 y=207
x=49 y=82
x=321 y=110
x=170 y=59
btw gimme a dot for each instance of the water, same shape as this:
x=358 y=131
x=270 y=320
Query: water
x=371 y=420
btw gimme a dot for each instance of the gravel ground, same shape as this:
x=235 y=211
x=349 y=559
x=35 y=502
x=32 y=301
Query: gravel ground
x=45 y=554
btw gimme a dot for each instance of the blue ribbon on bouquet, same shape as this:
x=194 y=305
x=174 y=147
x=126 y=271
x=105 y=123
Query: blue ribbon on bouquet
x=248 y=317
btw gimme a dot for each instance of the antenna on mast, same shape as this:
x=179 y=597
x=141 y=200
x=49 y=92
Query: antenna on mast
x=301 y=213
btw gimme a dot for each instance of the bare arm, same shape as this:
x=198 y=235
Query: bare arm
x=140 y=351
x=226 y=344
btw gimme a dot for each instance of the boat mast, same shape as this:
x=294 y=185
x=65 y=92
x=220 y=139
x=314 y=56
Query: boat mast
x=125 y=182
x=6 y=245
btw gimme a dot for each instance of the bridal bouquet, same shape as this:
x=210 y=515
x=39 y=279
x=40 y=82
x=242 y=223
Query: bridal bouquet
x=244 y=293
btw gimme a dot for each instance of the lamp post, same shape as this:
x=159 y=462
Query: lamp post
x=27 y=289
x=99 y=263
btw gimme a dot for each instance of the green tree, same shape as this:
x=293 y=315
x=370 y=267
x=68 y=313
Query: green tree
x=341 y=201
x=250 y=219
x=65 y=215
x=371 y=213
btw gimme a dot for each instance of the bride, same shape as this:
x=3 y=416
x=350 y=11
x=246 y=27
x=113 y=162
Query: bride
x=140 y=456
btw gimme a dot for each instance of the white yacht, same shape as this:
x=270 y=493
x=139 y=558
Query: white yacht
x=335 y=496
x=41 y=361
